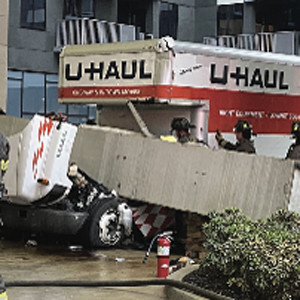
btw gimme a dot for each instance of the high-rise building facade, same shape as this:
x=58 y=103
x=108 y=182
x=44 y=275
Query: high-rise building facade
x=35 y=26
x=38 y=29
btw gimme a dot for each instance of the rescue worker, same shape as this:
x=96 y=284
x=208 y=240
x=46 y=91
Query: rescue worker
x=4 y=160
x=3 y=295
x=294 y=150
x=182 y=126
x=4 y=153
x=243 y=132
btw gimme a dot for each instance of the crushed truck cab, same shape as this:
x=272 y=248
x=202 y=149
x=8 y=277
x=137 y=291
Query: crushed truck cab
x=48 y=194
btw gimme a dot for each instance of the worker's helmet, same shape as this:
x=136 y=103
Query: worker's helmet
x=295 y=129
x=181 y=124
x=244 y=127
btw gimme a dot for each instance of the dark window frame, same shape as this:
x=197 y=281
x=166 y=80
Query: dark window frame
x=79 y=9
x=32 y=7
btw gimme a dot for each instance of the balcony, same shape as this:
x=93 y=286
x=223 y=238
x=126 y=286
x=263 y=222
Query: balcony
x=287 y=42
x=81 y=31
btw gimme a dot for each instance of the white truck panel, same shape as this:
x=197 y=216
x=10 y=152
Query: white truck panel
x=39 y=151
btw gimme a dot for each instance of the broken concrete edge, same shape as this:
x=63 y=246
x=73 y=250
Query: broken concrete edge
x=178 y=294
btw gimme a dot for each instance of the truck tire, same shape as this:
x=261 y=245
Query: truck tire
x=104 y=229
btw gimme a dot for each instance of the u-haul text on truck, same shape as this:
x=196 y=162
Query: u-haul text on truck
x=212 y=86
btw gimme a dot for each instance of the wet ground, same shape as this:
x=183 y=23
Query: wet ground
x=23 y=260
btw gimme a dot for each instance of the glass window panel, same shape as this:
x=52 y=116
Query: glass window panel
x=13 y=106
x=27 y=115
x=77 y=120
x=52 y=78
x=14 y=74
x=87 y=8
x=164 y=6
x=51 y=99
x=39 y=15
x=75 y=109
x=39 y=4
x=33 y=93
x=92 y=112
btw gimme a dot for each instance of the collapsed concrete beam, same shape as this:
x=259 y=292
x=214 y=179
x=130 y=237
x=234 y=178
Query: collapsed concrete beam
x=184 y=177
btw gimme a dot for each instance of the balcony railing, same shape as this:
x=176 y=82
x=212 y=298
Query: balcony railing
x=92 y=31
x=279 y=42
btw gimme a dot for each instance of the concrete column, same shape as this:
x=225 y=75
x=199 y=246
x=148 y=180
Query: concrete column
x=186 y=23
x=3 y=52
x=152 y=18
x=249 y=18
x=205 y=19
x=199 y=117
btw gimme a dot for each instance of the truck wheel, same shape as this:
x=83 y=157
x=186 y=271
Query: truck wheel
x=105 y=229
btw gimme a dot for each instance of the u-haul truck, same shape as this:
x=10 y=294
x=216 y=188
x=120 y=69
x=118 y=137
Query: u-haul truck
x=212 y=86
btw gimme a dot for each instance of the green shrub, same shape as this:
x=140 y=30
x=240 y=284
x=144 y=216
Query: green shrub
x=253 y=259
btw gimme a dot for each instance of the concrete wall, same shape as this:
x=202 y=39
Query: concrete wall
x=33 y=49
x=3 y=52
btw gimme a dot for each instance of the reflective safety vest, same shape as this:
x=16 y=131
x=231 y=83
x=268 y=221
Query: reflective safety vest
x=3 y=295
x=168 y=138
x=4 y=164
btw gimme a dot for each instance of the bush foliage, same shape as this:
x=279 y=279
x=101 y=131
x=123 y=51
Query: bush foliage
x=253 y=259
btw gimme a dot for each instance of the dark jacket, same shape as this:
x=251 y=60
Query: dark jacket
x=294 y=151
x=188 y=139
x=191 y=139
x=241 y=146
x=4 y=147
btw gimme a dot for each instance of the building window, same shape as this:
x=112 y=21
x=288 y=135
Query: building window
x=168 y=20
x=278 y=16
x=79 y=8
x=33 y=14
x=133 y=12
x=14 y=88
x=87 y=8
x=230 y=19
x=37 y=93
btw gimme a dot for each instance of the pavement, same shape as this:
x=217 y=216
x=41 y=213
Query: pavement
x=20 y=261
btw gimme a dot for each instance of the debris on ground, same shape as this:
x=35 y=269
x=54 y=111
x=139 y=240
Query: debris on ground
x=179 y=263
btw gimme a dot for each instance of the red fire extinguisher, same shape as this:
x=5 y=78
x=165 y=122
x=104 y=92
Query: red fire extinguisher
x=163 y=256
x=163 y=253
